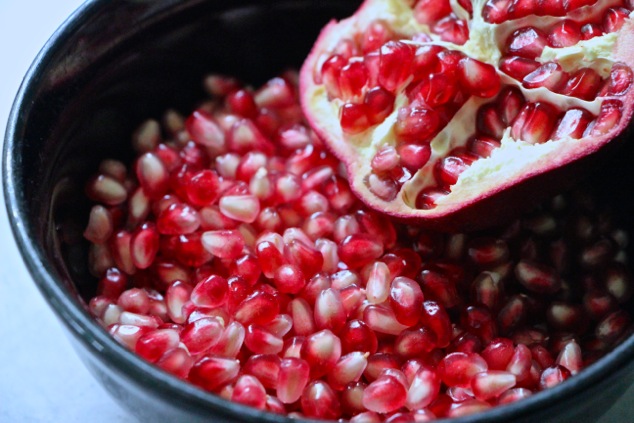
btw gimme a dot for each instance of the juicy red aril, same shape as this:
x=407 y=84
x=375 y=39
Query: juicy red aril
x=261 y=278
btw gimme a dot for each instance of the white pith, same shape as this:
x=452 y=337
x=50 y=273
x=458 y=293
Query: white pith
x=515 y=159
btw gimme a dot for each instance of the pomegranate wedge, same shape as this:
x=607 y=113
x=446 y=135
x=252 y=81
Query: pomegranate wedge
x=403 y=92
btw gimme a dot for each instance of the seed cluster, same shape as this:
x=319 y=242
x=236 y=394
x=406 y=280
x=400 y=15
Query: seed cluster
x=233 y=255
x=382 y=73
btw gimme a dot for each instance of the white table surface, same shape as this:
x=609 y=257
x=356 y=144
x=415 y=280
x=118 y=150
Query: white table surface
x=41 y=377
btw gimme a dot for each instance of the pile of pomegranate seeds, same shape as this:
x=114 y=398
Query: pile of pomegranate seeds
x=233 y=255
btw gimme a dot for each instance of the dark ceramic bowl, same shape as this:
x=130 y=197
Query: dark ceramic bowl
x=115 y=63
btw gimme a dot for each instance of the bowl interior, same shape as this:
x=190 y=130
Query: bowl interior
x=114 y=66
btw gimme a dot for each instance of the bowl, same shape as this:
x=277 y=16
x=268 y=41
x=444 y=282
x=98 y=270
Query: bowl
x=113 y=64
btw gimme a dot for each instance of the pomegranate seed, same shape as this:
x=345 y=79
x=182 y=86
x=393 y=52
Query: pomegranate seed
x=357 y=336
x=537 y=278
x=382 y=319
x=535 y=123
x=527 y=42
x=354 y=118
x=100 y=225
x=553 y=376
x=107 y=190
x=329 y=311
x=478 y=78
x=276 y=93
x=513 y=395
x=348 y=369
x=620 y=79
x=416 y=124
x=352 y=79
x=520 y=363
x=358 y=250
x=243 y=208
x=211 y=373
x=178 y=219
x=204 y=130
x=292 y=379
x=406 y=299
x=249 y=391
x=518 y=67
x=572 y=124
x=458 y=369
x=261 y=341
x=321 y=350
x=112 y=284
x=564 y=34
x=378 y=104
x=428 y=11
x=549 y=75
x=154 y=345
x=258 y=308
x=452 y=29
x=496 y=11
x=320 y=401
x=614 y=19
x=414 y=343
x=491 y=384
x=469 y=407
x=498 y=353
x=202 y=334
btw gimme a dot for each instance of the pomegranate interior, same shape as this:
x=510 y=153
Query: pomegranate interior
x=434 y=105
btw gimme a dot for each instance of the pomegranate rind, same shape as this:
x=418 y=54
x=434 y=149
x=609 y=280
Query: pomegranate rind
x=493 y=190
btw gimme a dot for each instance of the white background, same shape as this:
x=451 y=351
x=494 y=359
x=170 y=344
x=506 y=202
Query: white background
x=41 y=378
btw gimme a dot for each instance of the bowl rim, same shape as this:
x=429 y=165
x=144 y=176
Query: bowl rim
x=127 y=364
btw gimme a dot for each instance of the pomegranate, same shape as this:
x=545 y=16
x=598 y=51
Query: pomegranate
x=232 y=254
x=457 y=114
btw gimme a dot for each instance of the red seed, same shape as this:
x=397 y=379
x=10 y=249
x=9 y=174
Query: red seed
x=564 y=34
x=320 y=401
x=406 y=300
x=527 y=42
x=258 y=308
x=553 y=376
x=458 y=369
x=357 y=336
x=329 y=311
x=292 y=379
x=549 y=75
x=202 y=334
x=429 y=11
x=415 y=343
x=211 y=373
x=384 y=395
x=478 y=78
x=249 y=391
x=416 y=124
x=537 y=278
x=204 y=130
x=261 y=341
x=359 y=250
x=154 y=345
x=177 y=219
x=491 y=384
x=348 y=369
x=379 y=104
x=434 y=316
x=321 y=350
x=423 y=389
x=382 y=319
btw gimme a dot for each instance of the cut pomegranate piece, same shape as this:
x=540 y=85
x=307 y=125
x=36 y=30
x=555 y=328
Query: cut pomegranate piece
x=437 y=84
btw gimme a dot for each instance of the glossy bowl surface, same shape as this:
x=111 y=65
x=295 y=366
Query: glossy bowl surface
x=112 y=65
